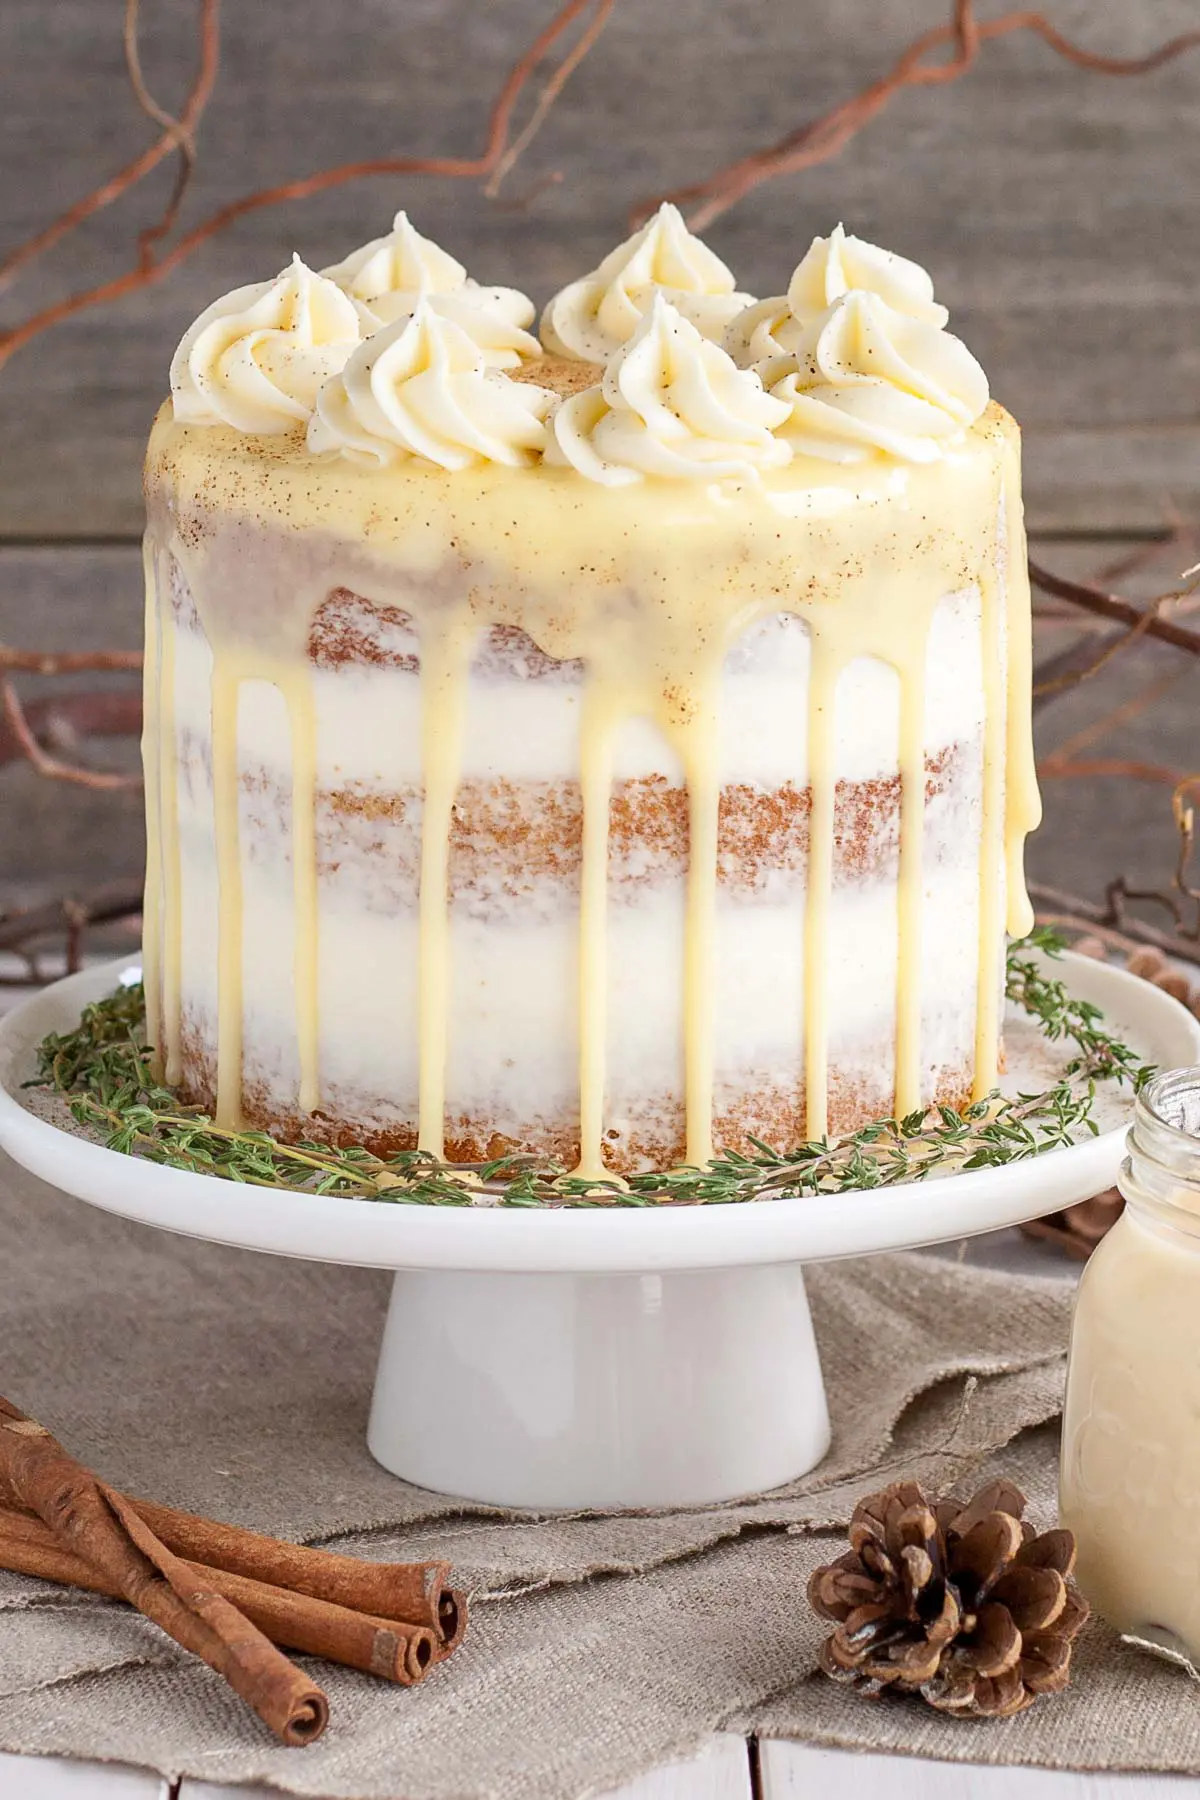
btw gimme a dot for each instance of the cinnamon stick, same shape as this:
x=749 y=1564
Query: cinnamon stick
x=414 y=1592
x=386 y=1647
x=100 y=1527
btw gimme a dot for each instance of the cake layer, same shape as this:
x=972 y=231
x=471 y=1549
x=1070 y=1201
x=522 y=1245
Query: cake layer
x=513 y=1016
x=650 y=1132
x=522 y=718
x=513 y=842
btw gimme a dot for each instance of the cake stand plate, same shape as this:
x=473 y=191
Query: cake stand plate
x=599 y=1358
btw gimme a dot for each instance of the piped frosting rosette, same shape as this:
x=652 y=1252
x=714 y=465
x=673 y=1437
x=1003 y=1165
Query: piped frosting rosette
x=421 y=387
x=670 y=404
x=865 y=378
x=591 y=318
x=255 y=359
x=831 y=267
x=389 y=276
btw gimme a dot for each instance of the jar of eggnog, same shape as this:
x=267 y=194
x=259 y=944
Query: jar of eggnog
x=1130 y=1477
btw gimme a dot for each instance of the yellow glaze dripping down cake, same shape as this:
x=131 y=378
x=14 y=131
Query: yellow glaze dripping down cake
x=613 y=746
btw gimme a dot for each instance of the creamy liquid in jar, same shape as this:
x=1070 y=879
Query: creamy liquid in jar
x=1130 y=1477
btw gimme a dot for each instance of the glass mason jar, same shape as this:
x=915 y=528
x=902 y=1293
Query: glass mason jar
x=1130 y=1475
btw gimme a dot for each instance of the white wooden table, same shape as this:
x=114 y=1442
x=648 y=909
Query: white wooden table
x=727 y=1768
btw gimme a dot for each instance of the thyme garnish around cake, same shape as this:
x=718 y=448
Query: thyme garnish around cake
x=102 y=1071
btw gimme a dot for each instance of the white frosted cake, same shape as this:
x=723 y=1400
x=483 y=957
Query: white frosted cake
x=615 y=746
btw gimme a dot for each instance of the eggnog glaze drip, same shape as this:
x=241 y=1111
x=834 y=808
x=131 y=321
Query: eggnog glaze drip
x=649 y=585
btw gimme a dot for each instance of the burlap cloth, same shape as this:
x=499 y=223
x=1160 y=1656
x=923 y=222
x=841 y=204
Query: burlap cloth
x=238 y=1385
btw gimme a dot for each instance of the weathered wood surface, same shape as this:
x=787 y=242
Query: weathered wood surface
x=803 y=1772
x=1059 y=210
x=719 y=1771
x=57 y=839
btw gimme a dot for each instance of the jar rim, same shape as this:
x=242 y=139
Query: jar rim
x=1163 y=1100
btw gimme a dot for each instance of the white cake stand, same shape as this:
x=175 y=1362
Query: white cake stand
x=632 y=1357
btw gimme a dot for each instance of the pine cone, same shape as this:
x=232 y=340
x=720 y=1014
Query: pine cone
x=1078 y=1229
x=963 y=1604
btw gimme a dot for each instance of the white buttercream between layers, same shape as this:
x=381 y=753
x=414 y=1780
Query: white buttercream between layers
x=368 y=723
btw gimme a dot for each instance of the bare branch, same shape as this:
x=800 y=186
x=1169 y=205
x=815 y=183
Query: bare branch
x=141 y=166
x=1111 y=606
x=67 y=662
x=27 y=926
x=1057 y=907
x=60 y=721
x=149 y=269
x=20 y=729
x=553 y=88
x=822 y=138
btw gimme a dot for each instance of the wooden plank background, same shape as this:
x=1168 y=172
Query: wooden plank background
x=1058 y=210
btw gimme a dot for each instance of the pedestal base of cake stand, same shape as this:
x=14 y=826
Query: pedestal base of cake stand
x=600 y=1390
x=618 y=1356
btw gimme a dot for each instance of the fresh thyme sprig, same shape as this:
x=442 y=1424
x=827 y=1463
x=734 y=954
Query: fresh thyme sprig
x=103 y=1072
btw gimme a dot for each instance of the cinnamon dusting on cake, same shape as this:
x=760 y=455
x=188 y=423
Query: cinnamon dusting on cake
x=512 y=838
x=561 y=374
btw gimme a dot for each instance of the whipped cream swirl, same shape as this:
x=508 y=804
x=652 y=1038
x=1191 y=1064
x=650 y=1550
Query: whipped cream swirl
x=831 y=267
x=387 y=277
x=255 y=358
x=420 y=388
x=591 y=318
x=670 y=404
x=401 y=262
x=865 y=378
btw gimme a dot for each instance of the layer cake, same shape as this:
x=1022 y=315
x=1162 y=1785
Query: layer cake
x=615 y=747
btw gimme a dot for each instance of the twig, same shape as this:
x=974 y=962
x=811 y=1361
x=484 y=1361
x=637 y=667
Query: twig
x=174 y=127
x=1119 y=715
x=60 y=720
x=29 y=925
x=815 y=142
x=18 y=726
x=1183 y=892
x=67 y=662
x=1105 y=768
x=148 y=270
x=1110 y=606
x=142 y=165
x=822 y=138
x=553 y=88
x=523 y=202
x=1179 y=532
x=1083 y=660
x=182 y=134
x=1056 y=907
